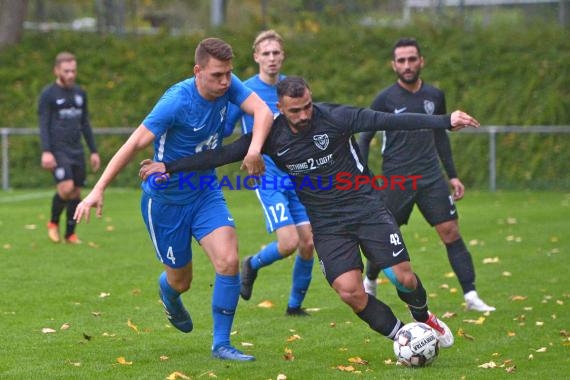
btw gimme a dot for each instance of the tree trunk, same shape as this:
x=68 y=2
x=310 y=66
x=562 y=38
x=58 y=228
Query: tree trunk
x=12 y=14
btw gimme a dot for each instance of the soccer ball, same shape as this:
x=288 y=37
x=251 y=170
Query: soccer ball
x=416 y=345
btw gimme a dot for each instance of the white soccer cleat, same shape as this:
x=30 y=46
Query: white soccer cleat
x=473 y=302
x=369 y=286
x=444 y=334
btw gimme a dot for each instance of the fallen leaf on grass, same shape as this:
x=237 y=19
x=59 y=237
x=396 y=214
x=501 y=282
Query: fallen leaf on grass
x=110 y=228
x=104 y=295
x=511 y=369
x=530 y=357
x=96 y=313
x=345 y=368
x=163 y=358
x=463 y=334
x=30 y=226
x=266 y=304
x=177 y=375
x=448 y=314
x=246 y=344
x=293 y=337
x=47 y=330
x=511 y=333
x=123 y=361
x=507 y=274
x=65 y=326
x=288 y=354
x=490 y=364
x=491 y=260
x=132 y=326
x=75 y=364
x=541 y=349
x=358 y=360
x=389 y=362
x=518 y=298
x=478 y=321
x=449 y=275
x=281 y=377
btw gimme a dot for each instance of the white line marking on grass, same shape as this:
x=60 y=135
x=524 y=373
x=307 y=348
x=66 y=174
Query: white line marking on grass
x=25 y=197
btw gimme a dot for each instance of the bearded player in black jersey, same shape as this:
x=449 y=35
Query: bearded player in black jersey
x=63 y=118
x=418 y=153
x=313 y=143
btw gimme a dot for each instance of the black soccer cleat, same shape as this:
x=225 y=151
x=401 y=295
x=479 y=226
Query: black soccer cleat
x=248 y=276
x=296 y=312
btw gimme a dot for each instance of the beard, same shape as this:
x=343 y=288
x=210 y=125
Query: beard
x=407 y=79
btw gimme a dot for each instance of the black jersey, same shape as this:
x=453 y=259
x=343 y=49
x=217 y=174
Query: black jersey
x=416 y=152
x=63 y=118
x=317 y=157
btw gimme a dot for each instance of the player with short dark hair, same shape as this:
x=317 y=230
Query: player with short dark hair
x=418 y=153
x=64 y=119
x=189 y=118
x=314 y=144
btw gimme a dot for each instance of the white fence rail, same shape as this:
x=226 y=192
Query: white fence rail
x=491 y=131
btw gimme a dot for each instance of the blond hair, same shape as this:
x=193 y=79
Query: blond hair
x=267 y=35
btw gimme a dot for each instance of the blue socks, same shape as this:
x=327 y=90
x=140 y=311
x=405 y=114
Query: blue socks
x=266 y=256
x=302 y=274
x=171 y=295
x=224 y=303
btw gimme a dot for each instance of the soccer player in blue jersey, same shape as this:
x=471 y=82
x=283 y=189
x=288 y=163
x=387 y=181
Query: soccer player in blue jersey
x=419 y=152
x=189 y=118
x=284 y=213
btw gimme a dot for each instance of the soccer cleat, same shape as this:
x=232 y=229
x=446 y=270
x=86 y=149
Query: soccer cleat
x=231 y=353
x=473 y=302
x=177 y=314
x=73 y=239
x=296 y=312
x=53 y=232
x=248 y=276
x=369 y=286
x=444 y=334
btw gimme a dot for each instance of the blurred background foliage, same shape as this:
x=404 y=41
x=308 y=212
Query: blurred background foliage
x=508 y=66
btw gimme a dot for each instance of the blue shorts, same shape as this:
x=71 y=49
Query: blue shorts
x=281 y=208
x=172 y=226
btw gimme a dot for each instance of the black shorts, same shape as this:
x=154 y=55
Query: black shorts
x=69 y=169
x=379 y=240
x=434 y=201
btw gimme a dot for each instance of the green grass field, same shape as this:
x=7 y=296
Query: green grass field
x=99 y=302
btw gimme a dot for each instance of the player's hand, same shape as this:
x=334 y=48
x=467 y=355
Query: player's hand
x=95 y=161
x=48 y=161
x=458 y=189
x=460 y=120
x=93 y=200
x=149 y=167
x=253 y=163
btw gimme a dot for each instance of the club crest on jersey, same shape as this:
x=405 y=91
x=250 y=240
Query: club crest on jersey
x=78 y=100
x=321 y=141
x=429 y=107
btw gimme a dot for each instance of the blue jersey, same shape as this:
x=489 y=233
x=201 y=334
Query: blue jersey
x=267 y=93
x=184 y=124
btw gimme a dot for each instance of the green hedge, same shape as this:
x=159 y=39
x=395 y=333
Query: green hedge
x=504 y=75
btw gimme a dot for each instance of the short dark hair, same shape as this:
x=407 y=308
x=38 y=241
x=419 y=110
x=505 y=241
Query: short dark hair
x=293 y=87
x=212 y=48
x=406 y=41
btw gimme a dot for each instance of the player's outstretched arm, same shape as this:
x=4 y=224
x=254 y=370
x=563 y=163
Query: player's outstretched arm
x=138 y=140
x=205 y=160
x=262 y=122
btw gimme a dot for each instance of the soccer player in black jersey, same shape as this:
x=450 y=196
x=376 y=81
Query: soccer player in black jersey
x=313 y=143
x=63 y=119
x=418 y=153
